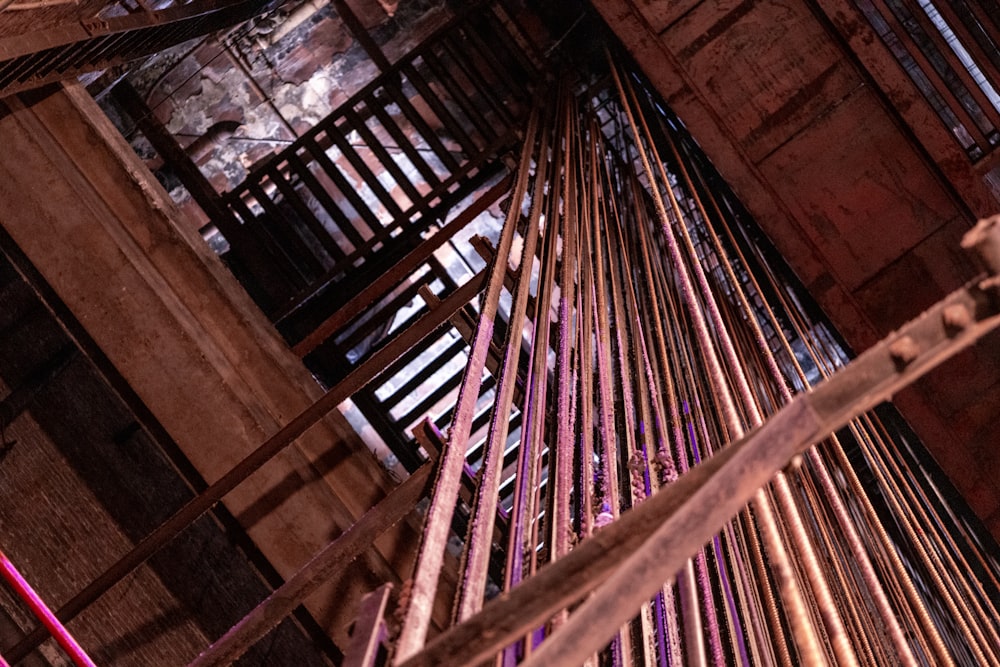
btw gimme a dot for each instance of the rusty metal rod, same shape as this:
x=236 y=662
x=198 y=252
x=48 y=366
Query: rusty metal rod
x=522 y=538
x=446 y=486
x=684 y=515
x=480 y=539
x=561 y=475
x=328 y=563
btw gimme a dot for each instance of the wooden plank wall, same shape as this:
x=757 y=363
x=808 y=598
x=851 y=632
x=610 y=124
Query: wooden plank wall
x=185 y=336
x=81 y=483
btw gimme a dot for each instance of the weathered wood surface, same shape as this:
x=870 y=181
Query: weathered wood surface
x=860 y=200
x=185 y=336
x=79 y=481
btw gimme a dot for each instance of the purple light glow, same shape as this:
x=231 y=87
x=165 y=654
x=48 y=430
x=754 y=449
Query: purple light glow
x=717 y=547
x=44 y=614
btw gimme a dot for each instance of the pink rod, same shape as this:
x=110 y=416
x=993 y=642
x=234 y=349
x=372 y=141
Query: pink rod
x=44 y=614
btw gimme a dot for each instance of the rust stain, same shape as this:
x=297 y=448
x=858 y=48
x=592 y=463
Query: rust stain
x=794 y=105
x=717 y=29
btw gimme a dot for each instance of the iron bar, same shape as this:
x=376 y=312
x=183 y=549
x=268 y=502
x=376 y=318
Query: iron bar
x=449 y=477
x=480 y=536
x=328 y=563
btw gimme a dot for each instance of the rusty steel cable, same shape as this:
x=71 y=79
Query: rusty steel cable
x=438 y=523
x=661 y=331
x=874 y=587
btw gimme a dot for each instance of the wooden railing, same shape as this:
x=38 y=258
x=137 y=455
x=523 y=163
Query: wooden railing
x=337 y=207
x=77 y=47
x=344 y=238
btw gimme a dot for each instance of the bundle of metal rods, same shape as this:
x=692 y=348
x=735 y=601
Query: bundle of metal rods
x=645 y=326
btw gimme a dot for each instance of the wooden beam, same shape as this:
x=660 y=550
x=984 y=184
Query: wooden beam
x=169 y=149
x=152 y=543
x=360 y=33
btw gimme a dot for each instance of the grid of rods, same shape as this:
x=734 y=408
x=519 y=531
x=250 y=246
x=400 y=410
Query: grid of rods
x=666 y=331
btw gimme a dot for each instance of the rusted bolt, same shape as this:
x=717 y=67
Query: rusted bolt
x=984 y=239
x=904 y=350
x=956 y=317
x=795 y=463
